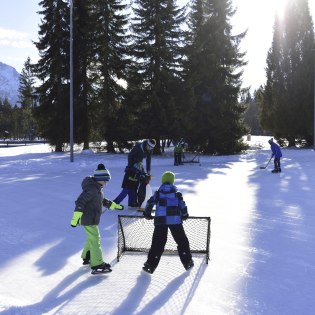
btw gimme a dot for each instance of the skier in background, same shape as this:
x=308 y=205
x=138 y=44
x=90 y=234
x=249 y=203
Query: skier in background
x=277 y=154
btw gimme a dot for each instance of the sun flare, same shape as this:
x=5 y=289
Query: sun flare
x=279 y=7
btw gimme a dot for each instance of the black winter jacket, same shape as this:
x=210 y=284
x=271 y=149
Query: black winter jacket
x=137 y=154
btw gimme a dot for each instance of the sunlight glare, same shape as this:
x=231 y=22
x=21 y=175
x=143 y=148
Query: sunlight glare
x=279 y=8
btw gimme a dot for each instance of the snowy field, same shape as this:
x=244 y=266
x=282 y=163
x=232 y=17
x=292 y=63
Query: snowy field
x=262 y=258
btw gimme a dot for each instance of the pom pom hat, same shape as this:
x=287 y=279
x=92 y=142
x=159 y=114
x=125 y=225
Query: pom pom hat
x=168 y=177
x=151 y=143
x=101 y=174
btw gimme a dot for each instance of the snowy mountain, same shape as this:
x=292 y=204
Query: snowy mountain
x=9 y=83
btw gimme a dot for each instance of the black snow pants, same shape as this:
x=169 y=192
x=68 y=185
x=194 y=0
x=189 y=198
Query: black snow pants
x=159 y=240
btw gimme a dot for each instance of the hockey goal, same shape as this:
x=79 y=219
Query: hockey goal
x=135 y=235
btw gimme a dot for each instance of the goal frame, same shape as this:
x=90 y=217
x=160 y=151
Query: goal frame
x=123 y=247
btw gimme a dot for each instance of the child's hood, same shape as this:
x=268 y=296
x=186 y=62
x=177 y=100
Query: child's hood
x=89 y=181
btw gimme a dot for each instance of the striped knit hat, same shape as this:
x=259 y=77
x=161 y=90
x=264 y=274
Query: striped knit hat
x=101 y=173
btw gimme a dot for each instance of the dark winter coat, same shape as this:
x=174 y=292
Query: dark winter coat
x=178 y=149
x=90 y=201
x=276 y=151
x=131 y=178
x=170 y=206
x=137 y=154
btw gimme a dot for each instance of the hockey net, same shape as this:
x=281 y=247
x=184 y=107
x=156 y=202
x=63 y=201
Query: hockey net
x=191 y=157
x=135 y=235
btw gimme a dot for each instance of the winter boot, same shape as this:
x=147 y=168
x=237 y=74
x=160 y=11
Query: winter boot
x=102 y=268
x=274 y=171
x=189 y=265
x=86 y=260
x=132 y=205
x=147 y=268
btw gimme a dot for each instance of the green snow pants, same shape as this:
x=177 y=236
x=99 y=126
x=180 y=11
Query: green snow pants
x=93 y=244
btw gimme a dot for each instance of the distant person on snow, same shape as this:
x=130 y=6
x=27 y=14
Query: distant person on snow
x=134 y=170
x=88 y=210
x=178 y=154
x=170 y=212
x=276 y=153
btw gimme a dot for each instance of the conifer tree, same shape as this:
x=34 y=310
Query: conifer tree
x=5 y=118
x=155 y=72
x=109 y=65
x=213 y=78
x=26 y=99
x=52 y=71
x=84 y=30
x=287 y=103
x=251 y=114
x=27 y=84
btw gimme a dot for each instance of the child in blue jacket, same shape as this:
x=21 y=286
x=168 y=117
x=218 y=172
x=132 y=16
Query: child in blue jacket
x=170 y=212
x=276 y=153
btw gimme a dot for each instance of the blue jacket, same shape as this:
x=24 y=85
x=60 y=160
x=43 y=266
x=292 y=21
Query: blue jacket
x=170 y=206
x=276 y=151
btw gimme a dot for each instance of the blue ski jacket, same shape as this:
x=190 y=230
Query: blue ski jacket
x=276 y=151
x=170 y=206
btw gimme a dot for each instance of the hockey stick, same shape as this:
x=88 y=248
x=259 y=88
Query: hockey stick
x=263 y=167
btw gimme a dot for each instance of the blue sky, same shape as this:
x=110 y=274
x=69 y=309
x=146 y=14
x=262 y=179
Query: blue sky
x=19 y=27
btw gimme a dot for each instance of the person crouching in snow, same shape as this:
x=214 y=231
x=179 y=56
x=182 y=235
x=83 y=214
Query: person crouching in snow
x=170 y=212
x=88 y=210
x=277 y=154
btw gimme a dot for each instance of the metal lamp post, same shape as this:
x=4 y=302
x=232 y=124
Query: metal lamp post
x=71 y=83
x=314 y=103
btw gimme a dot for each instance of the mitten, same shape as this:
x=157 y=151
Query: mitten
x=112 y=205
x=106 y=203
x=116 y=206
x=185 y=217
x=147 y=216
x=147 y=178
x=76 y=218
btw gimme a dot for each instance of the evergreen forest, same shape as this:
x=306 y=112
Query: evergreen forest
x=154 y=69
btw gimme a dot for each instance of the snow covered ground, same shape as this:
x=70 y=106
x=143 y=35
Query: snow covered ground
x=262 y=258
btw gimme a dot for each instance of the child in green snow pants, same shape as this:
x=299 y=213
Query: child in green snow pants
x=92 y=244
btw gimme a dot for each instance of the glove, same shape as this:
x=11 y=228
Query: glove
x=106 y=203
x=147 y=216
x=76 y=218
x=185 y=217
x=112 y=205
x=116 y=206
